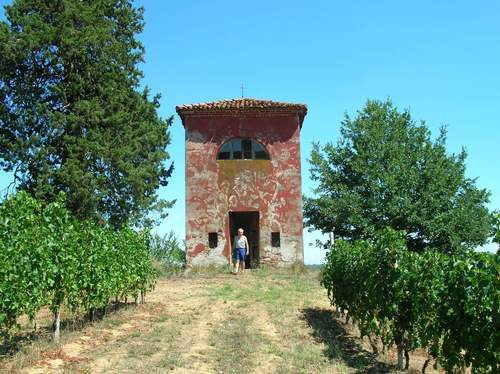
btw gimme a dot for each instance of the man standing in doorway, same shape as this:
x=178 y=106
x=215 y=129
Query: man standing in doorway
x=241 y=250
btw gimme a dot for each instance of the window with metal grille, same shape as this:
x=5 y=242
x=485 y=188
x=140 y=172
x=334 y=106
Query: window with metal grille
x=212 y=240
x=275 y=239
x=242 y=149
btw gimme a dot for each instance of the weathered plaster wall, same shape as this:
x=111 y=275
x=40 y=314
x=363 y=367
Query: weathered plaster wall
x=214 y=188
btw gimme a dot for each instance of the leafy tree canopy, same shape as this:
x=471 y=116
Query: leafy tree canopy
x=73 y=117
x=386 y=171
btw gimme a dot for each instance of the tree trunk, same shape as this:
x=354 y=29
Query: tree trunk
x=143 y=297
x=426 y=363
x=400 y=358
x=407 y=358
x=56 y=325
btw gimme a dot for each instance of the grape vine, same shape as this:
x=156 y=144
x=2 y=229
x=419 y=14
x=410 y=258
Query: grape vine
x=446 y=304
x=49 y=259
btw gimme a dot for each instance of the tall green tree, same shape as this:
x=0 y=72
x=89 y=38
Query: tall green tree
x=73 y=116
x=385 y=170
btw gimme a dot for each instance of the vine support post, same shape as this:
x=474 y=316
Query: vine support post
x=407 y=359
x=400 y=358
x=373 y=344
x=56 y=325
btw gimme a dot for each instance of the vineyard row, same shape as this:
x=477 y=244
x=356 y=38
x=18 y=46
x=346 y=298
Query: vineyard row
x=446 y=304
x=49 y=259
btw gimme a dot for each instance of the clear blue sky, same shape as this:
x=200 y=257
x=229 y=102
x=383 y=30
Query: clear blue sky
x=441 y=59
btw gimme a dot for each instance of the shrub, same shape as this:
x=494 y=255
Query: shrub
x=168 y=253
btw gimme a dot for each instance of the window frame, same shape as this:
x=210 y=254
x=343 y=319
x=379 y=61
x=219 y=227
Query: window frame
x=252 y=141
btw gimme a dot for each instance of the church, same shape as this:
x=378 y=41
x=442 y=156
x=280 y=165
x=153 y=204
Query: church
x=243 y=171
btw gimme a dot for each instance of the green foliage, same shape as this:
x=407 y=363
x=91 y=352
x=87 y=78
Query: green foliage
x=49 y=259
x=26 y=268
x=386 y=171
x=72 y=117
x=496 y=227
x=447 y=304
x=168 y=252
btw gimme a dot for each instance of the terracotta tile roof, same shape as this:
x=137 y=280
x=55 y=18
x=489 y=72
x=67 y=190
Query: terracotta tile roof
x=240 y=105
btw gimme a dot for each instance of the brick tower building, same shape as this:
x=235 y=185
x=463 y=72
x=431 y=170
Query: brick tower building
x=243 y=170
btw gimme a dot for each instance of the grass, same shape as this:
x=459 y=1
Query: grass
x=171 y=361
x=283 y=293
x=234 y=344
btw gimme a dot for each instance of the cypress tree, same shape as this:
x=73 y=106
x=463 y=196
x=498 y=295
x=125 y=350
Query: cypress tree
x=73 y=115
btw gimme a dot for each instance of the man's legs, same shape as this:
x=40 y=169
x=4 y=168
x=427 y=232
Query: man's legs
x=237 y=266
x=243 y=266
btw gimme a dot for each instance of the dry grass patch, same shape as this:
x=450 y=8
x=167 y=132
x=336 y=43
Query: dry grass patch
x=235 y=341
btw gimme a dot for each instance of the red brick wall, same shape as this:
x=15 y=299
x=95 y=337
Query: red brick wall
x=272 y=187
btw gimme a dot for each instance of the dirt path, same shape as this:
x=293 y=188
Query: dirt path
x=262 y=322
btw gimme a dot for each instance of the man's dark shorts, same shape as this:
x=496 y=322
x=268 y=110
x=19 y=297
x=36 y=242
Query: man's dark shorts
x=240 y=254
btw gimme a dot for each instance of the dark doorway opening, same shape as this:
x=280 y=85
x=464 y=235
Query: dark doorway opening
x=249 y=222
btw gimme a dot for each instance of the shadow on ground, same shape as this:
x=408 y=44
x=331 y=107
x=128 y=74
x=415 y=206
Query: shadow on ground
x=339 y=344
x=11 y=345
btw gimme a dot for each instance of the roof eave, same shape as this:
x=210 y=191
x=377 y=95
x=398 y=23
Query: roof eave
x=183 y=113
